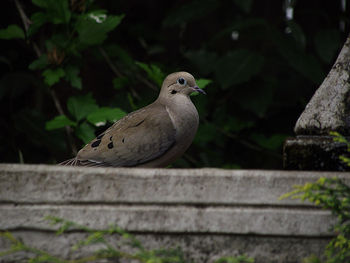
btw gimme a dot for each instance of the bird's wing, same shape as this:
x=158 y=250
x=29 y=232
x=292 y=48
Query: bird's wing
x=139 y=137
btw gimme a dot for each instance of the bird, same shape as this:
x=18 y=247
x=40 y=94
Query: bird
x=153 y=136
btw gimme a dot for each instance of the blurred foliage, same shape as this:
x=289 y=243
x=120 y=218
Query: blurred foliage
x=112 y=243
x=337 y=137
x=333 y=194
x=84 y=64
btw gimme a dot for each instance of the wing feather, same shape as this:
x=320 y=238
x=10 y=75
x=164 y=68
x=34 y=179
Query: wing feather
x=139 y=137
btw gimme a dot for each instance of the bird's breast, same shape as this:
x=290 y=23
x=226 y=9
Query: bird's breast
x=184 y=116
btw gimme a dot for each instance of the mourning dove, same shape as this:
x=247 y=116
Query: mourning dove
x=153 y=136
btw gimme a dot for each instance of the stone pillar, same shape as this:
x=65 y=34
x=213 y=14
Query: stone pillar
x=328 y=110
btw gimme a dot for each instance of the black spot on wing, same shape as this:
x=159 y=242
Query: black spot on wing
x=138 y=124
x=110 y=145
x=100 y=136
x=96 y=143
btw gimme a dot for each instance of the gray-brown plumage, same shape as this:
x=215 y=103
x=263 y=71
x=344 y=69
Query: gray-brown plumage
x=153 y=136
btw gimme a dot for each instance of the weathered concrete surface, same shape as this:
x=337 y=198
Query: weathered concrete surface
x=197 y=248
x=209 y=213
x=57 y=184
x=314 y=153
x=328 y=109
x=179 y=219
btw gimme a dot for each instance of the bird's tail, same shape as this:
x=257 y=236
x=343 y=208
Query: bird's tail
x=76 y=162
x=70 y=162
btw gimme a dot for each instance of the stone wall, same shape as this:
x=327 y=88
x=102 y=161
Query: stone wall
x=209 y=213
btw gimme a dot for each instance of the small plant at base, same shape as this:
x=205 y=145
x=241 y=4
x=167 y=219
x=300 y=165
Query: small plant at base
x=337 y=137
x=333 y=194
x=108 y=251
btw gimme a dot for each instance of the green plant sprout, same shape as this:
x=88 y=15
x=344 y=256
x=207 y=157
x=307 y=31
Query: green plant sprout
x=337 y=137
x=107 y=250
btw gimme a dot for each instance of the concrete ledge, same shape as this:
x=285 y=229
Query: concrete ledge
x=208 y=212
x=58 y=184
x=179 y=219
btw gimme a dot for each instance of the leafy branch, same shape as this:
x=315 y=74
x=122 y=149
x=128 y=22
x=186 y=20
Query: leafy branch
x=82 y=29
x=27 y=22
x=337 y=137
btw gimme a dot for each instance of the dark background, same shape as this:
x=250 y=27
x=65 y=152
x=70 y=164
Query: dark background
x=261 y=80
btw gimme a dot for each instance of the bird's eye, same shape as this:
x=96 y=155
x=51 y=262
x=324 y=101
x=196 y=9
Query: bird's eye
x=181 y=81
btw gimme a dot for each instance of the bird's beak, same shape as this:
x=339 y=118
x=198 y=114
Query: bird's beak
x=196 y=88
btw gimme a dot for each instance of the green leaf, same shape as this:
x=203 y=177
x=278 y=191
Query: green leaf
x=122 y=55
x=81 y=106
x=40 y=3
x=57 y=11
x=338 y=137
x=94 y=26
x=72 y=76
x=119 y=83
x=39 y=63
x=59 y=122
x=153 y=72
x=85 y=132
x=345 y=159
x=52 y=76
x=56 y=40
x=12 y=32
x=104 y=114
x=202 y=83
x=38 y=19
x=237 y=67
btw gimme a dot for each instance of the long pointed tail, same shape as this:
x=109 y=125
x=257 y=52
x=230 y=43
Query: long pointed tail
x=70 y=162
x=76 y=162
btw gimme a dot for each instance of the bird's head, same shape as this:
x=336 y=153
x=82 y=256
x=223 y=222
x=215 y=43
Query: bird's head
x=179 y=83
